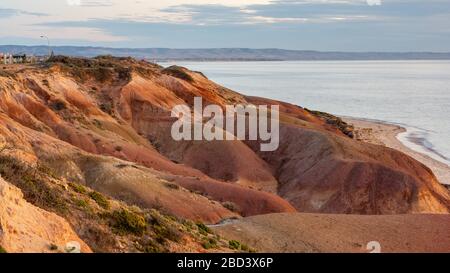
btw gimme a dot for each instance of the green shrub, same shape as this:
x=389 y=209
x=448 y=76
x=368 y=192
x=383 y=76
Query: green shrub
x=2 y=250
x=335 y=121
x=203 y=229
x=42 y=168
x=233 y=244
x=149 y=246
x=164 y=229
x=83 y=204
x=164 y=233
x=244 y=247
x=100 y=199
x=128 y=222
x=209 y=243
x=78 y=188
x=189 y=225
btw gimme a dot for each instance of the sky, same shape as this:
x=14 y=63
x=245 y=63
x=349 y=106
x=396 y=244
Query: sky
x=327 y=25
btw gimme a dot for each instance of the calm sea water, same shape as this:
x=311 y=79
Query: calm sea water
x=414 y=94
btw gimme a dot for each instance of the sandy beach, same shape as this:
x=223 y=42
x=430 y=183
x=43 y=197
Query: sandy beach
x=386 y=134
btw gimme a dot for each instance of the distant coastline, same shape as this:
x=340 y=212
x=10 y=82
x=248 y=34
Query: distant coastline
x=223 y=54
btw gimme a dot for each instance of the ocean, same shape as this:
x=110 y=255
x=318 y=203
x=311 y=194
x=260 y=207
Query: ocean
x=412 y=94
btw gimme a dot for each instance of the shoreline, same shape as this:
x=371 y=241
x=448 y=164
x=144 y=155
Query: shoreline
x=387 y=134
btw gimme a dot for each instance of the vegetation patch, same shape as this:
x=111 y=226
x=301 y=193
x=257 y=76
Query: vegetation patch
x=148 y=245
x=337 y=122
x=209 y=243
x=233 y=244
x=139 y=230
x=44 y=169
x=78 y=188
x=236 y=245
x=163 y=229
x=102 y=68
x=100 y=199
x=2 y=250
x=83 y=204
x=245 y=248
x=203 y=229
x=178 y=72
x=32 y=182
x=172 y=186
x=126 y=221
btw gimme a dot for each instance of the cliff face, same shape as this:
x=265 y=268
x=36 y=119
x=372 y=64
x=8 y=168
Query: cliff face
x=105 y=123
x=109 y=107
x=26 y=228
x=322 y=172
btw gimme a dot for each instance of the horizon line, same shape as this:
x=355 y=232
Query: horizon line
x=224 y=48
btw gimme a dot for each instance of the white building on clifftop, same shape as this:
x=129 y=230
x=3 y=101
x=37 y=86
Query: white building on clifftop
x=6 y=58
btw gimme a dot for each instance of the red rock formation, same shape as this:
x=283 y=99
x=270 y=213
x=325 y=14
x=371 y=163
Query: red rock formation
x=43 y=107
x=319 y=171
x=121 y=108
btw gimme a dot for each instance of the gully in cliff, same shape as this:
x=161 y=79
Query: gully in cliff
x=192 y=126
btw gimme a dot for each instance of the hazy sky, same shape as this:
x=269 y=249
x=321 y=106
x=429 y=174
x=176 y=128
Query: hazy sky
x=345 y=25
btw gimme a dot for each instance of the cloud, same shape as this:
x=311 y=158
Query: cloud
x=90 y=3
x=280 y=13
x=74 y=2
x=374 y=2
x=15 y=12
x=259 y=23
x=168 y=11
x=8 y=12
x=274 y=20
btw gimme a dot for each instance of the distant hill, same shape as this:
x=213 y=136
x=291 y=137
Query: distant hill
x=224 y=54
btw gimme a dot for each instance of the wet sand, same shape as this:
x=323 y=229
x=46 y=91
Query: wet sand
x=386 y=134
